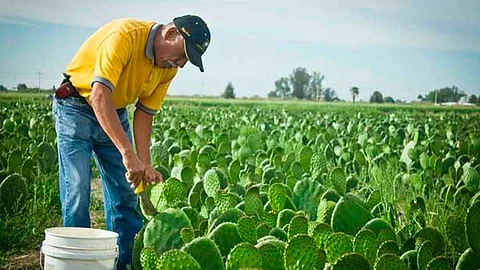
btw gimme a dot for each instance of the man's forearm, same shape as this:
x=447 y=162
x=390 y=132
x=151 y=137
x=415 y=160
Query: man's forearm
x=142 y=130
x=102 y=104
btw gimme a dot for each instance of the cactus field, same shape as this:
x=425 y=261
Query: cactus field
x=278 y=185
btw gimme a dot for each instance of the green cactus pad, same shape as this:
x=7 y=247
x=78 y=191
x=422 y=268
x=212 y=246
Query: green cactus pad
x=471 y=179
x=213 y=180
x=305 y=158
x=187 y=234
x=301 y=253
x=386 y=235
x=409 y=258
x=284 y=217
x=440 y=263
x=272 y=255
x=468 y=260
x=338 y=180
x=338 y=244
x=193 y=216
x=172 y=192
x=389 y=262
x=306 y=196
x=276 y=196
x=225 y=200
x=425 y=254
x=321 y=233
x=163 y=231
x=205 y=252
x=13 y=193
x=376 y=225
x=350 y=215
x=365 y=243
x=472 y=222
x=455 y=232
x=253 y=202
x=244 y=256
x=298 y=225
x=177 y=259
x=262 y=230
x=388 y=247
x=279 y=234
x=231 y=215
x=137 y=249
x=149 y=259
x=225 y=237
x=351 y=261
x=325 y=210
x=247 y=229
x=435 y=236
x=318 y=164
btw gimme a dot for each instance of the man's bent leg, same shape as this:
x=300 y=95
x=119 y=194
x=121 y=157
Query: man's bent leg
x=73 y=128
x=121 y=214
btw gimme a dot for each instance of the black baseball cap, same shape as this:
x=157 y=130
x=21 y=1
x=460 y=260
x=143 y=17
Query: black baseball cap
x=196 y=35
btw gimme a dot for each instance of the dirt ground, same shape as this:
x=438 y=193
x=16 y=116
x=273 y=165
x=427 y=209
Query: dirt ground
x=31 y=258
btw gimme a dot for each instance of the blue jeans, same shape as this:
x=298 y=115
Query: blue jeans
x=79 y=135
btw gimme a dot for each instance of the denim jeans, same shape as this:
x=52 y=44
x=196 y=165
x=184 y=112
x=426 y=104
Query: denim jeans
x=79 y=135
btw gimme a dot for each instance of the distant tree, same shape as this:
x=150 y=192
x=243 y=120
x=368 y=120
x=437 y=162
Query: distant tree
x=282 y=87
x=354 y=91
x=300 y=80
x=388 y=100
x=329 y=94
x=21 y=87
x=272 y=94
x=229 y=91
x=376 y=97
x=445 y=94
x=315 y=88
x=473 y=99
x=2 y=88
x=420 y=97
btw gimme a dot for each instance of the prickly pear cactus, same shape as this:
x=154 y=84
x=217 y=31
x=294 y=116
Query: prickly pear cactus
x=351 y=261
x=468 y=260
x=177 y=259
x=350 y=215
x=225 y=237
x=388 y=247
x=472 y=222
x=338 y=244
x=338 y=180
x=163 y=231
x=425 y=254
x=306 y=196
x=276 y=196
x=205 y=252
x=440 y=263
x=247 y=229
x=272 y=255
x=325 y=210
x=301 y=253
x=13 y=193
x=253 y=202
x=298 y=225
x=321 y=233
x=225 y=200
x=389 y=262
x=455 y=232
x=284 y=217
x=244 y=256
x=149 y=259
x=365 y=243
x=213 y=180
x=435 y=236
x=231 y=215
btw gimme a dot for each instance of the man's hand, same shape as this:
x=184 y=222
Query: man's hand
x=136 y=170
x=152 y=176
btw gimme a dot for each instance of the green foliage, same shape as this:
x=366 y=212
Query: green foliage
x=229 y=92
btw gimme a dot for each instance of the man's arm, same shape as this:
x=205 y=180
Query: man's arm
x=102 y=104
x=142 y=130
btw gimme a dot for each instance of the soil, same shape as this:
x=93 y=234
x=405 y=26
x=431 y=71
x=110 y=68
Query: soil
x=30 y=259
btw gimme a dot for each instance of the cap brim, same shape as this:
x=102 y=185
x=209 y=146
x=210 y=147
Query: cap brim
x=193 y=55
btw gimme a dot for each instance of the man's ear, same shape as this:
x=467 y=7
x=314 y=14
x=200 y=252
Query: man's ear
x=171 y=34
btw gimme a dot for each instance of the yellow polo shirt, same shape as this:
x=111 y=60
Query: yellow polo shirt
x=120 y=56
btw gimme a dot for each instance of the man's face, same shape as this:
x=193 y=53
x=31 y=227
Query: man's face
x=172 y=53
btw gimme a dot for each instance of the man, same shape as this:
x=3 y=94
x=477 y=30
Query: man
x=124 y=62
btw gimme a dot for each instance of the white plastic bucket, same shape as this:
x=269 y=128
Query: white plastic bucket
x=79 y=248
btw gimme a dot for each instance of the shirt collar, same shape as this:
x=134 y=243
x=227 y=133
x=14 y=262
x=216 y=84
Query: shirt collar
x=150 y=41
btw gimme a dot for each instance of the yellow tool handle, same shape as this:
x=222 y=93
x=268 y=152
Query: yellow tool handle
x=140 y=188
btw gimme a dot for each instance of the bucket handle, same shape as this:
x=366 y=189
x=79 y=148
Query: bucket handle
x=41 y=261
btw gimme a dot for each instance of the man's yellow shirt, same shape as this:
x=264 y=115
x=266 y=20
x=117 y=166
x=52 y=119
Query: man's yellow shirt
x=120 y=56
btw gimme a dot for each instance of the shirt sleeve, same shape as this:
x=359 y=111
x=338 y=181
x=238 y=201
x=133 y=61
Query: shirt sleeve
x=112 y=56
x=152 y=103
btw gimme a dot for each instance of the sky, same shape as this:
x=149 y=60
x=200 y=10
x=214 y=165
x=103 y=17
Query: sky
x=400 y=48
